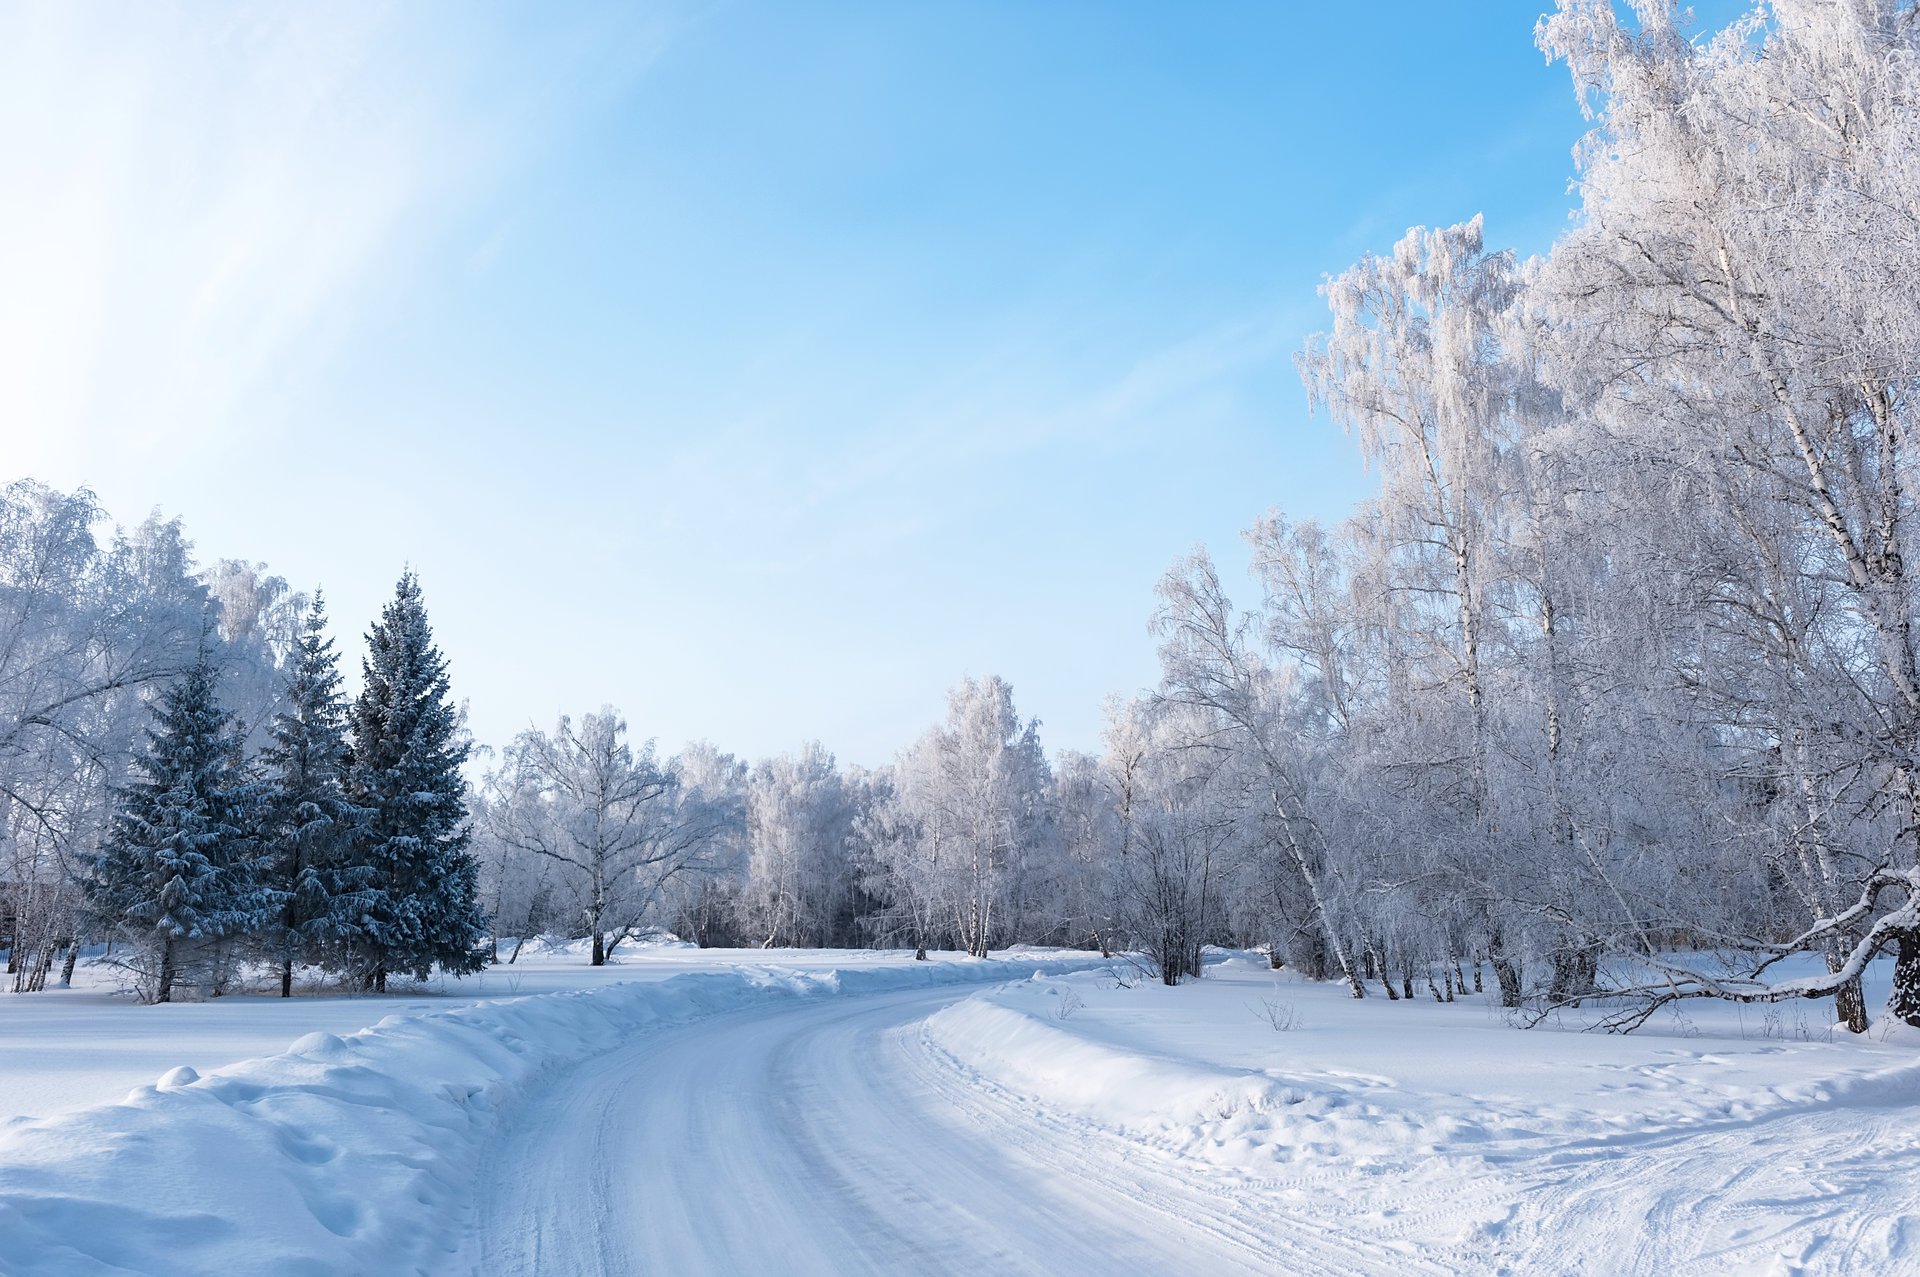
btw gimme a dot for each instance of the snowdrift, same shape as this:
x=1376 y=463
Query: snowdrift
x=1379 y=1084
x=1017 y=1039
x=347 y=1154
x=1021 y=1040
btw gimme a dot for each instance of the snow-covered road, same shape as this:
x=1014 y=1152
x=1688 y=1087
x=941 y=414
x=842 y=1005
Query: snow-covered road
x=1036 y=1113
x=880 y=1133
x=830 y=1137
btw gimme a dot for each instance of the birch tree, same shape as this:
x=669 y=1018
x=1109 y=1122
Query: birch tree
x=582 y=799
x=1751 y=210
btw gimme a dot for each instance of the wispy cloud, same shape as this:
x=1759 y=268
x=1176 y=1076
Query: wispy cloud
x=1013 y=404
x=798 y=495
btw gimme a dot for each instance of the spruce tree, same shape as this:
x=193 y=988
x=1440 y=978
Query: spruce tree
x=310 y=828
x=176 y=877
x=405 y=769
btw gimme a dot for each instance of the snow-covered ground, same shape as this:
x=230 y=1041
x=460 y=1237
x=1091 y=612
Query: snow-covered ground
x=66 y=1048
x=360 y=1153
x=1724 y=1139
x=694 y=1111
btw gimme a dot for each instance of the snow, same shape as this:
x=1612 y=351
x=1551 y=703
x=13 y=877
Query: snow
x=348 y=1151
x=823 y=1137
x=1443 y=1125
x=66 y=1048
x=701 y=1111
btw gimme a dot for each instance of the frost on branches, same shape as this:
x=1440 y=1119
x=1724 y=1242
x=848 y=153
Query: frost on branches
x=1607 y=698
x=1619 y=664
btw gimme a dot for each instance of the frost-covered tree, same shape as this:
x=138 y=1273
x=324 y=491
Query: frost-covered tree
x=1212 y=668
x=406 y=752
x=89 y=624
x=584 y=801
x=259 y=620
x=703 y=825
x=969 y=819
x=1731 y=307
x=905 y=859
x=1186 y=830
x=177 y=878
x=1619 y=660
x=516 y=889
x=1087 y=814
x=799 y=828
x=1415 y=368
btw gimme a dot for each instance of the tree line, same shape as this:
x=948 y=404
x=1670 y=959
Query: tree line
x=1608 y=695
x=1609 y=692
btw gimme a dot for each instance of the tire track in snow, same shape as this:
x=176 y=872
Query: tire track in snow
x=820 y=1137
x=835 y=1136
x=1800 y=1192
x=1322 y=1218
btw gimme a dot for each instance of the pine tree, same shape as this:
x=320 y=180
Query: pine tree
x=405 y=768
x=177 y=876
x=319 y=895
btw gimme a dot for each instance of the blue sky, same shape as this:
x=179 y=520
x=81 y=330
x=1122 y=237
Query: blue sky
x=761 y=369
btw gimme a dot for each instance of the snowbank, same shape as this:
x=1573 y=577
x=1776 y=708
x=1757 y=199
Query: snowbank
x=347 y=1154
x=1201 y=1071
x=1018 y=1038
x=74 y=1048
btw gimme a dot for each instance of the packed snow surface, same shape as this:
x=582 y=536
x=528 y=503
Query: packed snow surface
x=1418 y=1136
x=357 y=1153
x=696 y=1112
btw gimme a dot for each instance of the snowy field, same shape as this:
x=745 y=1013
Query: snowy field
x=1417 y=1136
x=700 y=1111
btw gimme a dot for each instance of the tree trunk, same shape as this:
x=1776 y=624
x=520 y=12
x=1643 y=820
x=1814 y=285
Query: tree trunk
x=286 y=977
x=164 y=992
x=1507 y=973
x=1506 y=970
x=1311 y=956
x=66 y=968
x=1850 y=1006
x=599 y=950
x=1905 y=1000
x=920 y=953
x=1331 y=937
x=1575 y=973
x=41 y=965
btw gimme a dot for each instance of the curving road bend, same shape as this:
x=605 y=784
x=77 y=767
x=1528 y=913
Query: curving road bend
x=827 y=1136
x=830 y=1136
